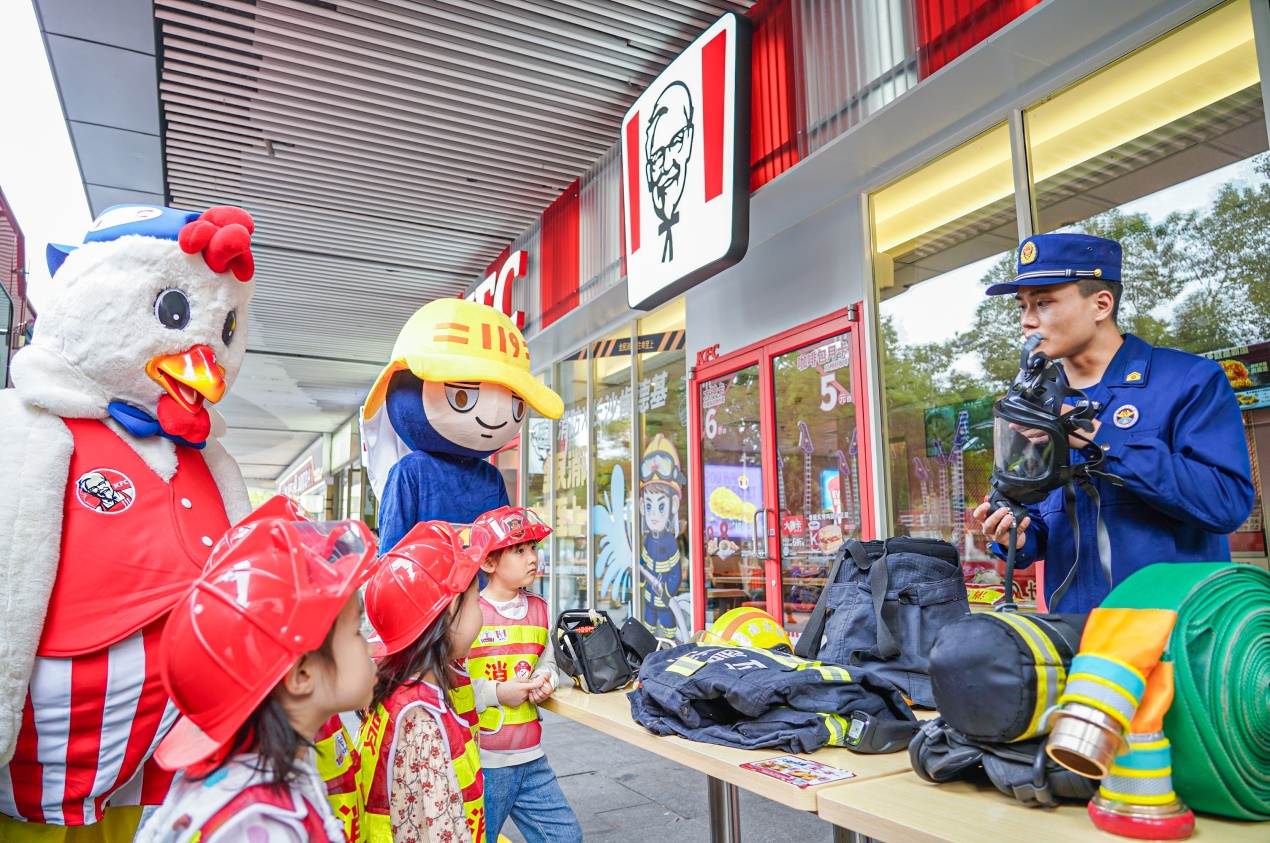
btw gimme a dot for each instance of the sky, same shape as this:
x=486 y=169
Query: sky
x=38 y=172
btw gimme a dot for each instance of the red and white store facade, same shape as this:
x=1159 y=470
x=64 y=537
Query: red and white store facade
x=732 y=353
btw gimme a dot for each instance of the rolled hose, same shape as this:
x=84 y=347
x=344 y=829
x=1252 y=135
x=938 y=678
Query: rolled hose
x=1219 y=722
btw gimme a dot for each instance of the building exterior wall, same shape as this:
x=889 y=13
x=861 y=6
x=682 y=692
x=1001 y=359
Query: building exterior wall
x=15 y=311
x=874 y=92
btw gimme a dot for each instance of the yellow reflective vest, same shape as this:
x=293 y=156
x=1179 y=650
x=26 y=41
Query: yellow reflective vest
x=509 y=648
x=377 y=747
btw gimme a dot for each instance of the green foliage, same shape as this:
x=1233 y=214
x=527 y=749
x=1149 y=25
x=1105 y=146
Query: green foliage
x=1197 y=280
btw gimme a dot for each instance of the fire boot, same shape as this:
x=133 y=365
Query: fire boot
x=1105 y=685
x=1137 y=798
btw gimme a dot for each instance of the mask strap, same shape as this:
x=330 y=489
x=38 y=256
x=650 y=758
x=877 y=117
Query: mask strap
x=1104 y=538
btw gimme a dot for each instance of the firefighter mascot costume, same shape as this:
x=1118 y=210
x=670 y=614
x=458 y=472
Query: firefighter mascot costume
x=454 y=394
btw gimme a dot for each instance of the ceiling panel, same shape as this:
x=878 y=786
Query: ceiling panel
x=388 y=150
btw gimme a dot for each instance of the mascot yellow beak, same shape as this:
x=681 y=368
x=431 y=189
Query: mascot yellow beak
x=189 y=376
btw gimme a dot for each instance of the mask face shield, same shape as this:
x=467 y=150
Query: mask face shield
x=1023 y=455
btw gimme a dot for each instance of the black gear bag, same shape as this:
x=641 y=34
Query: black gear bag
x=883 y=606
x=995 y=674
x=941 y=754
x=589 y=648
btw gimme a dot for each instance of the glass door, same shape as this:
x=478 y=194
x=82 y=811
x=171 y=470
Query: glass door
x=781 y=466
x=734 y=534
x=818 y=464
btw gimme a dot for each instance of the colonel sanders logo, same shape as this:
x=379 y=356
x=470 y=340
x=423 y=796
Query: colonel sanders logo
x=667 y=147
x=105 y=490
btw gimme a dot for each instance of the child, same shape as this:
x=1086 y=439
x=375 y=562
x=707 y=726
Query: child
x=420 y=766
x=261 y=652
x=513 y=668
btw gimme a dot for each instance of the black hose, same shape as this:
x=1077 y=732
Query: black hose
x=1007 y=603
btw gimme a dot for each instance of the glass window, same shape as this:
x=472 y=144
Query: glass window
x=572 y=472
x=1165 y=151
x=536 y=445
x=732 y=485
x=611 y=515
x=940 y=234
x=662 y=425
x=819 y=492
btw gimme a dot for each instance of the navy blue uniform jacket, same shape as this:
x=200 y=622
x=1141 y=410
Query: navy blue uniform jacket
x=1184 y=462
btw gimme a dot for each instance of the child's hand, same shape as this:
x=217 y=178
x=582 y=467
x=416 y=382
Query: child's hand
x=513 y=692
x=542 y=691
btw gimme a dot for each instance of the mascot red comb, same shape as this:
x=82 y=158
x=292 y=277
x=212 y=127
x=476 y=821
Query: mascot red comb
x=114 y=490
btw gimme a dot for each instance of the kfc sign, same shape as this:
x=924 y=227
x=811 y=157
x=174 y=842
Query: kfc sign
x=496 y=289
x=686 y=167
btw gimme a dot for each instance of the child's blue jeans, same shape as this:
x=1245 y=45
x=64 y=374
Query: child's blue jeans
x=531 y=796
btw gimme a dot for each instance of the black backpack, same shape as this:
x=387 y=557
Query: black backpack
x=883 y=606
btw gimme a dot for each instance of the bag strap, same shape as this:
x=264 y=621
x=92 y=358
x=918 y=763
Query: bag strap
x=879 y=583
x=809 y=642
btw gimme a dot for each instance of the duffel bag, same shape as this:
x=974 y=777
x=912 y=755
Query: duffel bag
x=884 y=604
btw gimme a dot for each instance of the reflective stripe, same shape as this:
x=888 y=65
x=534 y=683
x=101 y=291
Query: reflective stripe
x=685 y=666
x=1106 y=698
x=1050 y=674
x=1144 y=774
x=1114 y=671
x=838 y=727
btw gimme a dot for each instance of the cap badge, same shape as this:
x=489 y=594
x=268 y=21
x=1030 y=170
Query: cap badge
x=1028 y=253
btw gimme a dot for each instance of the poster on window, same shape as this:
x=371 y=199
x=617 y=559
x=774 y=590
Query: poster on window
x=1248 y=370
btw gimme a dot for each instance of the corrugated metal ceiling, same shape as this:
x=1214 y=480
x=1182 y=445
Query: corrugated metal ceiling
x=388 y=150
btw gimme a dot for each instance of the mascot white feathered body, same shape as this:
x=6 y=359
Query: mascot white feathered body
x=112 y=491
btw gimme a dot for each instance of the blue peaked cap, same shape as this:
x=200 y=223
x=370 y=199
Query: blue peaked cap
x=1056 y=258
x=122 y=220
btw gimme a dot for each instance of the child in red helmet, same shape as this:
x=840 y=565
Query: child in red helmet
x=420 y=765
x=513 y=669
x=263 y=651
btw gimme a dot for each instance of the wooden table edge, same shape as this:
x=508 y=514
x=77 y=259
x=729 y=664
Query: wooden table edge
x=689 y=754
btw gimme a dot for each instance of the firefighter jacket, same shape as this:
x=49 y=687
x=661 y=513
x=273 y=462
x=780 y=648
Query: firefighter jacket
x=1172 y=431
x=753 y=698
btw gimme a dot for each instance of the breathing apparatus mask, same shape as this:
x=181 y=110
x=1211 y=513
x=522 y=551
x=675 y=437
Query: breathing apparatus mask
x=1032 y=455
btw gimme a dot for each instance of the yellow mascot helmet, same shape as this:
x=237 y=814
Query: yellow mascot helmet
x=450 y=340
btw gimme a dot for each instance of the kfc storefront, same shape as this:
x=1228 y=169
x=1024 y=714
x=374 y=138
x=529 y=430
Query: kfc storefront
x=764 y=309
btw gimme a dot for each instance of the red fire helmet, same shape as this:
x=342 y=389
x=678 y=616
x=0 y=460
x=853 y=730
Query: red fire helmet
x=270 y=592
x=507 y=527
x=417 y=580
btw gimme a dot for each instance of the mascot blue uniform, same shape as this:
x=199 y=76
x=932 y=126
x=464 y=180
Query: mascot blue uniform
x=453 y=395
x=1171 y=430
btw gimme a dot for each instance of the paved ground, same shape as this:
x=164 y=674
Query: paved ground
x=622 y=794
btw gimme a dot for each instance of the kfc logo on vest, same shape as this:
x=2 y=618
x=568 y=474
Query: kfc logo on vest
x=105 y=490
x=493 y=636
x=686 y=167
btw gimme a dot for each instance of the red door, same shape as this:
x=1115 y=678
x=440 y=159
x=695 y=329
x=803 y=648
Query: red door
x=780 y=469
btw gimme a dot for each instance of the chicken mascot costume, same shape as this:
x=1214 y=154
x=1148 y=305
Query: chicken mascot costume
x=453 y=395
x=112 y=492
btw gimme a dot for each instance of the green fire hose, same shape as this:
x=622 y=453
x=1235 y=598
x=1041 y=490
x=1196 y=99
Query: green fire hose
x=1219 y=722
